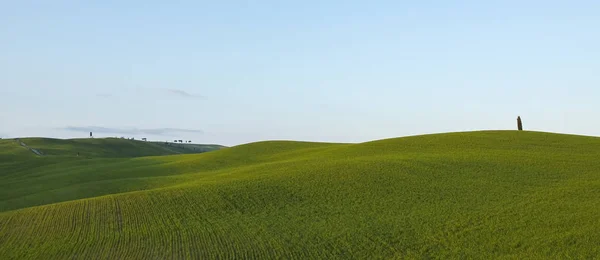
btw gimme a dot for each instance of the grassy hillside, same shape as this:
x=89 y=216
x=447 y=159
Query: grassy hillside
x=462 y=195
x=98 y=148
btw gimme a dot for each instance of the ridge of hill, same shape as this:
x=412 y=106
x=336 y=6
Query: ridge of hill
x=488 y=194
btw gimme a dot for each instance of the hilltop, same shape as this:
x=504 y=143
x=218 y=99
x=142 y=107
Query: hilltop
x=489 y=194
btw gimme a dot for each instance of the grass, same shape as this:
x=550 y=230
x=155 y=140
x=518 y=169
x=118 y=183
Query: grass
x=104 y=147
x=492 y=194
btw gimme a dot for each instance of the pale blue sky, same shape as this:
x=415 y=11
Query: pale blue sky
x=233 y=72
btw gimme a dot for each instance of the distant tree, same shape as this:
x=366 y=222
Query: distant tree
x=519 y=124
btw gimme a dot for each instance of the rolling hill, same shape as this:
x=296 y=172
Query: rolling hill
x=99 y=147
x=489 y=194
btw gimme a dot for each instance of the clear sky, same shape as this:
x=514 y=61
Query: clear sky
x=232 y=72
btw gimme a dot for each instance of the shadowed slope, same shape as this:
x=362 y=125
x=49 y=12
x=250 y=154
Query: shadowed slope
x=50 y=180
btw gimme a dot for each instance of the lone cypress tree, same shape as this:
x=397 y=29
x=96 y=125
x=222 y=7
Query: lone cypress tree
x=519 y=123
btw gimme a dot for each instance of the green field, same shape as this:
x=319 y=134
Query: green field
x=490 y=194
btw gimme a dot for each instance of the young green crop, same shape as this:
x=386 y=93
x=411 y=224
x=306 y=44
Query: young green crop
x=500 y=194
